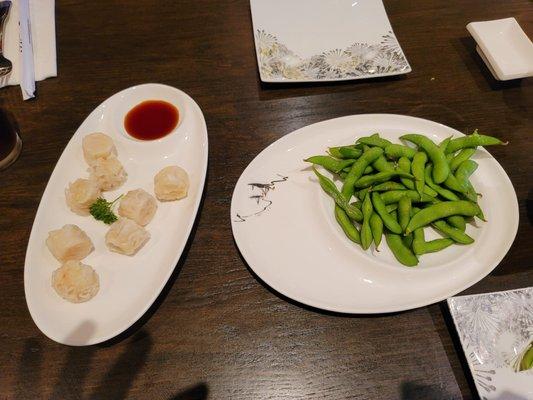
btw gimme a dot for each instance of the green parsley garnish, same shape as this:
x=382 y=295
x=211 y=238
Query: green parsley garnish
x=102 y=210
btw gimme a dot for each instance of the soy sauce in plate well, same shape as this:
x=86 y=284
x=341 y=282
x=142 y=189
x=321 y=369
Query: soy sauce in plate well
x=151 y=119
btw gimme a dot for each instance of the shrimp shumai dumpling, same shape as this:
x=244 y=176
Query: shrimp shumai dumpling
x=80 y=194
x=97 y=145
x=139 y=206
x=171 y=183
x=75 y=282
x=108 y=173
x=126 y=237
x=69 y=243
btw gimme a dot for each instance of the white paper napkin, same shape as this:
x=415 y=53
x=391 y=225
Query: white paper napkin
x=43 y=36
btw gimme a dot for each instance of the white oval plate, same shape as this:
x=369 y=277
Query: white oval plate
x=286 y=230
x=128 y=285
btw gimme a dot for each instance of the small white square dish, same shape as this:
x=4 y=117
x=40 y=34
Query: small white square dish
x=317 y=40
x=495 y=328
x=504 y=47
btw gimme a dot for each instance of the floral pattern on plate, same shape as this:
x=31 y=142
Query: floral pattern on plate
x=494 y=328
x=359 y=60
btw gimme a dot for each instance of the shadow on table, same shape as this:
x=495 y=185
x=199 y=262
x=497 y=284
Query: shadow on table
x=168 y=286
x=70 y=382
x=274 y=91
x=305 y=306
x=415 y=391
x=197 y=392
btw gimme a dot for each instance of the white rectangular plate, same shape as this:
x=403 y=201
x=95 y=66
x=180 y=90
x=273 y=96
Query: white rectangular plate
x=494 y=328
x=128 y=285
x=317 y=40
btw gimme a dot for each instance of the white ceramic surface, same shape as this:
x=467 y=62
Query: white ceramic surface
x=284 y=226
x=504 y=47
x=128 y=285
x=494 y=328
x=317 y=40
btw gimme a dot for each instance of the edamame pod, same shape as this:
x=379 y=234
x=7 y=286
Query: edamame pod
x=369 y=180
x=395 y=151
x=357 y=170
x=441 y=168
x=376 y=226
x=386 y=186
x=463 y=155
x=345 y=152
x=347 y=225
x=374 y=140
x=382 y=165
x=441 y=210
x=394 y=196
x=402 y=253
x=432 y=246
x=457 y=221
x=330 y=163
x=366 y=232
x=444 y=144
x=329 y=187
x=418 y=167
x=387 y=219
x=447 y=194
x=453 y=233
x=473 y=140
x=404 y=211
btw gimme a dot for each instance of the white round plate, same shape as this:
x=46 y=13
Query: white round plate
x=128 y=285
x=284 y=226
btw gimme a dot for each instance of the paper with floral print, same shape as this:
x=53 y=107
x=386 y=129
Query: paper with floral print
x=316 y=40
x=494 y=328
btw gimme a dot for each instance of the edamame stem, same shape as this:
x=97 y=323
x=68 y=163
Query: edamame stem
x=441 y=210
x=472 y=140
x=387 y=219
x=436 y=155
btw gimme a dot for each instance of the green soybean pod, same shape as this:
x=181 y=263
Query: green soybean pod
x=345 y=152
x=391 y=207
x=457 y=221
x=463 y=173
x=396 y=151
x=432 y=246
x=358 y=167
x=329 y=187
x=376 y=226
x=473 y=140
x=361 y=194
x=463 y=155
x=455 y=234
x=404 y=211
x=444 y=144
x=441 y=210
x=454 y=184
x=374 y=140
x=330 y=163
x=381 y=164
x=401 y=252
x=447 y=194
x=418 y=167
x=436 y=155
x=386 y=186
x=408 y=240
x=405 y=165
x=380 y=177
x=366 y=232
x=394 y=196
x=347 y=225
x=368 y=170
x=387 y=219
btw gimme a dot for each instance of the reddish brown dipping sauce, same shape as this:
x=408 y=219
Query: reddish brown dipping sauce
x=151 y=120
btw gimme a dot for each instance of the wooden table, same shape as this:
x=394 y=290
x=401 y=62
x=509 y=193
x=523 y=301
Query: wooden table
x=216 y=332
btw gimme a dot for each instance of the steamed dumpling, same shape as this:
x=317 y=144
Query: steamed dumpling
x=108 y=173
x=171 y=183
x=75 y=282
x=126 y=237
x=97 y=145
x=80 y=194
x=69 y=243
x=139 y=206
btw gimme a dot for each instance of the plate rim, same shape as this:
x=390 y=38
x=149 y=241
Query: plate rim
x=41 y=208
x=361 y=311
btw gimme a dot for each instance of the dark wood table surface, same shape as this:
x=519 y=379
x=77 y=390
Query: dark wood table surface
x=217 y=332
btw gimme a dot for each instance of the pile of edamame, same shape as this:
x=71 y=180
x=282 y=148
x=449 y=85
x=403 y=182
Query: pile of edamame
x=401 y=190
